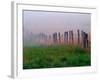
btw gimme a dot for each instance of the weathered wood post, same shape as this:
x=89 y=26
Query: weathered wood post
x=55 y=38
x=84 y=39
x=59 y=37
x=87 y=41
x=78 y=36
x=72 y=37
x=82 y=35
x=66 y=37
x=69 y=37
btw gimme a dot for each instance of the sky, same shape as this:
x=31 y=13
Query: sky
x=49 y=22
x=35 y=22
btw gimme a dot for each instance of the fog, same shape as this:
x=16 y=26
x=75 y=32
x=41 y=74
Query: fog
x=36 y=22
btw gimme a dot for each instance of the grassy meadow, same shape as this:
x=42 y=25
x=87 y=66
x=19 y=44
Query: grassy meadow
x=55 y=56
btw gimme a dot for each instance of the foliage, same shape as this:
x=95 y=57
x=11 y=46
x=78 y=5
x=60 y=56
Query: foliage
x=55 y=56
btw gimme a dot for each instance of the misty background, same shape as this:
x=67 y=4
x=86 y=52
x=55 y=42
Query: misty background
x=38 y=24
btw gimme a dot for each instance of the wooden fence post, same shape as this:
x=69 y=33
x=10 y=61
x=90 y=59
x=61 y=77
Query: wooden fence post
x=84 y=39
x=66 y=37
x=72 y=37
x=59 y=37
x=69 y=37
x=78 y=36
x=55 y=38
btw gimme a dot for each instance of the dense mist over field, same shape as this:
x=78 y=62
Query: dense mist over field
x=42 y=24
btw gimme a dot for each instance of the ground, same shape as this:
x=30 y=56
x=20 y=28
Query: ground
x=55 y=56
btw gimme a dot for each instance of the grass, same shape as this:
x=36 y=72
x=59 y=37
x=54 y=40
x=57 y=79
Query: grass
x=55 y=56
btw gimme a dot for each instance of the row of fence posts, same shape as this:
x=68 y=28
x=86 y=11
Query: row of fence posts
x=82 y=38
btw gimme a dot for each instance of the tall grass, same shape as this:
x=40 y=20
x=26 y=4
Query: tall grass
x=55 y=56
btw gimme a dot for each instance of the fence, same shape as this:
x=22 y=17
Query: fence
x=78 y=37
x=81 y=38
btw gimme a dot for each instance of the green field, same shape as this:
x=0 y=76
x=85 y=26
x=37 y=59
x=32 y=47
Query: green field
x=55 y=56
